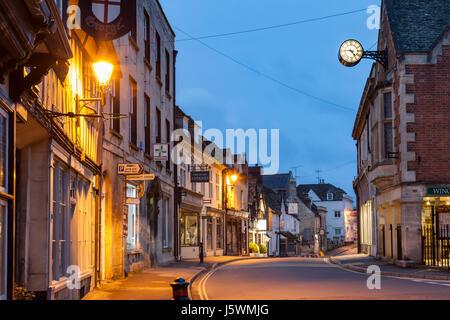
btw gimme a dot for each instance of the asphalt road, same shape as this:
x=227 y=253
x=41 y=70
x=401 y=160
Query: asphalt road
x=307 y=279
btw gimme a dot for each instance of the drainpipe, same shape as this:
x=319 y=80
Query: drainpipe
x=176 y=202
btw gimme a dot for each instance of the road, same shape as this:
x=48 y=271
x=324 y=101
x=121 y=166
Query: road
x=307 y=279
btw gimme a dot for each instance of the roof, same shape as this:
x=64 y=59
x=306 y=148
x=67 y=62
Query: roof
x=321 y=190
x=277 y=181
x=416 y=25
x=273 y=200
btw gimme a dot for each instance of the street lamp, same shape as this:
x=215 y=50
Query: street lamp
x=234 y=178
x=103 y=71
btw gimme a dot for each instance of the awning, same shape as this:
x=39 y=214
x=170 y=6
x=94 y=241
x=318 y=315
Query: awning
x=288 y=235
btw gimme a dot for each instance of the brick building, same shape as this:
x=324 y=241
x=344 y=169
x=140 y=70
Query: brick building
x=403 y=136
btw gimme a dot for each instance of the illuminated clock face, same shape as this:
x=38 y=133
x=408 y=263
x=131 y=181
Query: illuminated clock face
x=351 y=53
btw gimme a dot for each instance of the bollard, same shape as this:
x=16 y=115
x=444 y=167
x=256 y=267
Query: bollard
x=180 y=289
x=201 y=252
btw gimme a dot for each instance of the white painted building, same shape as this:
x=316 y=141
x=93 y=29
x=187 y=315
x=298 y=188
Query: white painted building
x=336 y=201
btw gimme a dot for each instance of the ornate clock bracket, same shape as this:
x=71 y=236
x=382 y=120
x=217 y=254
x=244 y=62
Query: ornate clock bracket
x=379 y=56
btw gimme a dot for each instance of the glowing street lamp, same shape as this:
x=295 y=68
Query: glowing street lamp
x=234 y=177
x=103 y=71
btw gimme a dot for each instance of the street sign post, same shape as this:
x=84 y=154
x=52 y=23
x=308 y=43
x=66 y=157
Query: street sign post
x=129 y=168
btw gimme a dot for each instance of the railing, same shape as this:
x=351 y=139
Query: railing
x=436 y=246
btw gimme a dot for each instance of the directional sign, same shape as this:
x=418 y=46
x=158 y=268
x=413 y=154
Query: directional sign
x=133 y=201
x=130 y=168
x=141 y=177
x=161 y=152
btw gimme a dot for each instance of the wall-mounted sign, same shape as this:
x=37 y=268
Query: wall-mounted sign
x=107 y=20
x=293 y=208
x=141 y=177
x=438 y=191
x=200 y=176
x=133 y=201
x=161 y=152
x=129 y=168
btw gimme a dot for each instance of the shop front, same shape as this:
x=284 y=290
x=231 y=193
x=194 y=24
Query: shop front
x=436 y=227
x=190 y=223
x=237 y=232
x=214 y=235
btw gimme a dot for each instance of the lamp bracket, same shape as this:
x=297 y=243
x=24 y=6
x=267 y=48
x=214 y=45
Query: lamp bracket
x=379 y=56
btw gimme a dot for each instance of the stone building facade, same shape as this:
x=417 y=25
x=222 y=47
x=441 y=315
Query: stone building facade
x=403 y=136
x=143 y=90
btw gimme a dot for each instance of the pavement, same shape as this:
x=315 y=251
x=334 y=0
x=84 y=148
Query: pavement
x=154 y=284
x=360 y=263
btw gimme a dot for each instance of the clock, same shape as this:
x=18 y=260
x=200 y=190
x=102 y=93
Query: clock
x=350 y=53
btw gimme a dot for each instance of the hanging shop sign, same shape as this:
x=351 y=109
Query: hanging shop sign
x=106 y=19
x=200 y=176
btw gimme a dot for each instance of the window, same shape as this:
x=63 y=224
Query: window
x=189 y=226
x=242 y=199
x=219 y=233
x=115 y=92
x=337 y=231
x=3 y=248
x=165 y=223
x=158 y=125
x=217 y=187
x=3 y=151
x=147 y=125
x=183 y=177
x=337 y=214
x=133 y=112
x=388 y=143
x=388 y=134
x=167 y=72
x=329 y=196
x=387 y=97
x=147 y=35
x=60 y=257
x=210 y=189
x=133 y=32
x=158 y=56
x=133 y=223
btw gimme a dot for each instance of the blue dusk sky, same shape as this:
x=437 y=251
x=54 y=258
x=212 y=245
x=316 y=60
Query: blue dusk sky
x=225 y=95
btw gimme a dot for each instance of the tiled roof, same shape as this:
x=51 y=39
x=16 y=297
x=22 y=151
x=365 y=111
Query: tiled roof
x=273 y=200
x=321 y=190
x=277 y=181
x=416 y=25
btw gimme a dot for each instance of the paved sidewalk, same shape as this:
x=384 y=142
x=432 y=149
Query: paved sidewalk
x=154 y=284
x=360 y=263
x=345 y=250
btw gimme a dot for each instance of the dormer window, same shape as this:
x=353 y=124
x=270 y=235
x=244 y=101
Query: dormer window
x=329 y=196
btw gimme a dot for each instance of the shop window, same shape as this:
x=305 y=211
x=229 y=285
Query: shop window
x=189 y=226
x=60 y=232
x=219 y=233
x=133 y=223
x=209 y=233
